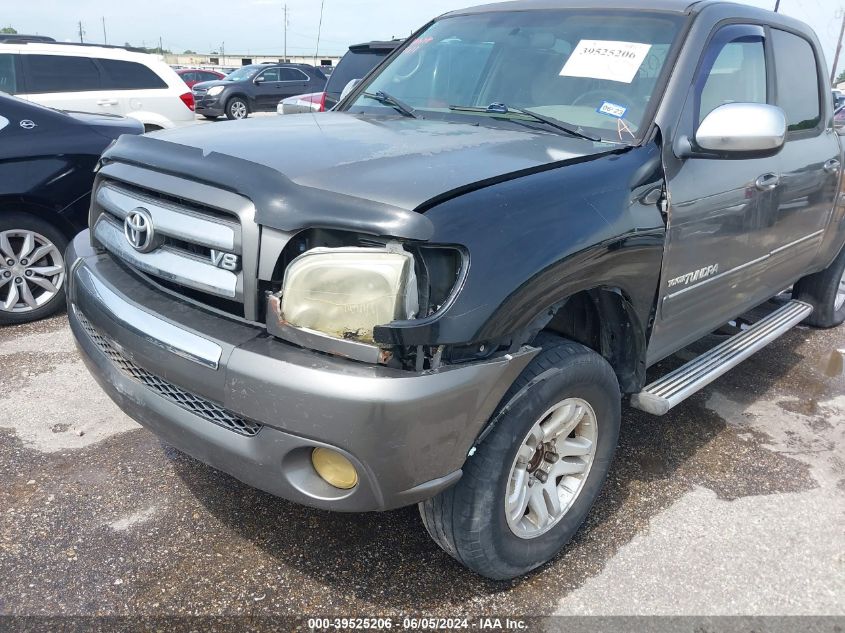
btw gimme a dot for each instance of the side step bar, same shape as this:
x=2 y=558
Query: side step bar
x=668 y=392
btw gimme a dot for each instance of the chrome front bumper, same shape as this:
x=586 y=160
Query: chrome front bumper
x=185 y=373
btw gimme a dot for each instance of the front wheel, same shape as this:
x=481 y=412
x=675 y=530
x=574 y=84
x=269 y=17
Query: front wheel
x=32 y=269
x=237 y=109
x=825 y=291
x=530 y=484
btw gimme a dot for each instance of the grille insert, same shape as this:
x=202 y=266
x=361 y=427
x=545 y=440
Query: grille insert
x=200 y=407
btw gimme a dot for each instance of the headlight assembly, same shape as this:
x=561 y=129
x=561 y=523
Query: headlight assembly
x=345 y=292
x=215 y=90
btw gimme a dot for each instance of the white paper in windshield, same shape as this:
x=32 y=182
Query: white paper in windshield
x=603 y=59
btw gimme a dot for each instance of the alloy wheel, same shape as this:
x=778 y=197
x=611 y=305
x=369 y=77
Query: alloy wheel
x=32 y=271
x=839 y=301
x=238 y=109
x=551 y=468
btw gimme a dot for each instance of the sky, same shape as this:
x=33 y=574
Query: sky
x=255 y=26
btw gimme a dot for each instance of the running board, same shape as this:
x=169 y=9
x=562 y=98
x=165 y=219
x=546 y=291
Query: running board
x=671 y=390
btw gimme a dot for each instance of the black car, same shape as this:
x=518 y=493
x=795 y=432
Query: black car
x=47 y=161
x=356 y=64
x=255 y=88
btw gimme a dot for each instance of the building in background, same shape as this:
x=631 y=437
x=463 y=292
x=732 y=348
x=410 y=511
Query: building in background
x=230 y=62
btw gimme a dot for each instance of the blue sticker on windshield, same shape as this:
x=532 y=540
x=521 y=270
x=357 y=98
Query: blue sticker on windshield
x=611 y=109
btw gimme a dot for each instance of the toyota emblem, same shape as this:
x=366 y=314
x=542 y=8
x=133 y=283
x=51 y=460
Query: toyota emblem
x=139 y=231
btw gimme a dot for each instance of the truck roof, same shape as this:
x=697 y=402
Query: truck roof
x=731 y=9
x=674 y=6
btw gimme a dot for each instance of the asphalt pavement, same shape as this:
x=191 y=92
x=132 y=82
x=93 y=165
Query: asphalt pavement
x=732 y=504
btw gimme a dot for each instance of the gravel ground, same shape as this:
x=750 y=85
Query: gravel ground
x=732 y=504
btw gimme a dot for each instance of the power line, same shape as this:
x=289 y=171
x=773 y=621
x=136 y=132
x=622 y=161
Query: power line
x=319 y=31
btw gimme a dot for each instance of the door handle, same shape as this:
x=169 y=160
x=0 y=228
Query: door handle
x=767 y=182
x=832 y=166
x=107 y=102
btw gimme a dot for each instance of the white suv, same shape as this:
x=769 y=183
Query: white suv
x=86 y=78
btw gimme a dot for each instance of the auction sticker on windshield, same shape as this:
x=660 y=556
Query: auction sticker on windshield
x=602 y=59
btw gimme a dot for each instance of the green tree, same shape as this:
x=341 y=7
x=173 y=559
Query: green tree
x=189 y=52
x=8 y=30
x=840 y=79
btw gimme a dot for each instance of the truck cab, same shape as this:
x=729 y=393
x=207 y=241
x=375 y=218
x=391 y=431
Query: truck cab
x=526 y=207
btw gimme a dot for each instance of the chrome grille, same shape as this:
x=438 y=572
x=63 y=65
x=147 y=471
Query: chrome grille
x=197 y=405
x=185 y=233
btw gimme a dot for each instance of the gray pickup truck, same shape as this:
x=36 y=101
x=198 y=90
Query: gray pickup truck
x=440 y=292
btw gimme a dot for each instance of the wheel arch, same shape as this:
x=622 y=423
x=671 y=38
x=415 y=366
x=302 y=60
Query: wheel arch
x=603 y=319
x=39 y=209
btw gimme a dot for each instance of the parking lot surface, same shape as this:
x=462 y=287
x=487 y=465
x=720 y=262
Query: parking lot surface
x=732 y=504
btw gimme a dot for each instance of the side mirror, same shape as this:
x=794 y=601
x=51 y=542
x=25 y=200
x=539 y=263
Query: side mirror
x=259 y=80
x=349 y=88
x=738 y=130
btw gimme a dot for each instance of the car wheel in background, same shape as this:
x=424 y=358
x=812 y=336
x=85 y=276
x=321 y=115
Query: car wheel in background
x=531 y=482
x=825 y=291
x=237 y=109
x=149 y=127
x=210 y=117
x=32 y=271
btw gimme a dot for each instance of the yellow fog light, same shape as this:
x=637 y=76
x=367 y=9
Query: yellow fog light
x=334 y=468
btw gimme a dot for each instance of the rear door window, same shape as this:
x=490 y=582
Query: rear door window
x=8 y=76
x=354 y=65
x=292 y=74
x=123 y=75
x=798 y=81
x=60 y=73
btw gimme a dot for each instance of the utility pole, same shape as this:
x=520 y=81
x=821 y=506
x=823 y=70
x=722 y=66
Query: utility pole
x=81 y=33
x=838 y=50
x=160 y=49
x=286 y=33
x=777 y=6
x=105 y=39
x=223 y=54
x=319 y=30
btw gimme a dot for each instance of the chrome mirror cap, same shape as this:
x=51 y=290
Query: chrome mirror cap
x=742 y=128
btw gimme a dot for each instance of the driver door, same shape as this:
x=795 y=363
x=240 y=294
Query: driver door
x=709 y=259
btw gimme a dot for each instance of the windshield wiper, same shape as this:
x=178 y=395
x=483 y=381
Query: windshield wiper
x=502 y=109
x=382 y=97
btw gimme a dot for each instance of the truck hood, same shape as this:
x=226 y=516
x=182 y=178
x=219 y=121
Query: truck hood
x=399 y=162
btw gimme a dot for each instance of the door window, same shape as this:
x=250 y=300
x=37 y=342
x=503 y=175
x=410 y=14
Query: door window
x=270 y=75
x=60 y=73
x=292 y=74
x=734 y=70
x=8 y=78
x=798 y=81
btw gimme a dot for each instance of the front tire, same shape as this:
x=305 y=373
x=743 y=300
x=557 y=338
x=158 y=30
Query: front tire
x=237 y=109
x=825 y=291
x=532 y=481
x=32 y=270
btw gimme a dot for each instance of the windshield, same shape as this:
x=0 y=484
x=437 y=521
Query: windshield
x=241 y=73
x=594 y=71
